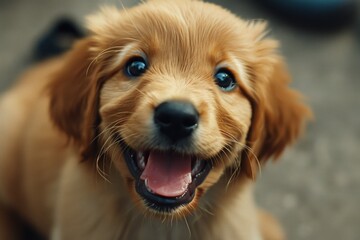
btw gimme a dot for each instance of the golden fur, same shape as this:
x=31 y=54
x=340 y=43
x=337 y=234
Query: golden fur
x=61 y=168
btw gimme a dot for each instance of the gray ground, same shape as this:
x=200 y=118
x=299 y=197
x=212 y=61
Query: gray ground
x=314 y=189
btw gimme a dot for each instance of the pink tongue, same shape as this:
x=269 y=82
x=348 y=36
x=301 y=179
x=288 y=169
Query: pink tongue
x=167 y=174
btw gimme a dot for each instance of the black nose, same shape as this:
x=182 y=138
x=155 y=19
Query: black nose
x=176 y=119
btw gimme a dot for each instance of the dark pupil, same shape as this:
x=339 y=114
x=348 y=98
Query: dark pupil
x=224 y=80
x=136 y=68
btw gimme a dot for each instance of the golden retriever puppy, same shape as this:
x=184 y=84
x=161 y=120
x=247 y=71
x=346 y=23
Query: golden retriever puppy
x=152 y=127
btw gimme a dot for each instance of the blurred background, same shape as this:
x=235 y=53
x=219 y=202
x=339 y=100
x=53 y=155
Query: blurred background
x=314 y=189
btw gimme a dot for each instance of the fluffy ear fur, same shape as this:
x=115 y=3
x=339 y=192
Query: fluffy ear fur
x=278 y=118
x=74 y=100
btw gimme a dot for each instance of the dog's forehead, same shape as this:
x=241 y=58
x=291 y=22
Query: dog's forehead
x=185 y=28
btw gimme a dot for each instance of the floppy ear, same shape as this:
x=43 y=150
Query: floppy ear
x=278 y=119
x=74 y=100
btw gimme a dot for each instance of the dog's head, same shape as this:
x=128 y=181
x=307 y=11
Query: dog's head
x=175 y=94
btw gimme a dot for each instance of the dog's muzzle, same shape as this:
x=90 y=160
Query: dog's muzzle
x=166 y=176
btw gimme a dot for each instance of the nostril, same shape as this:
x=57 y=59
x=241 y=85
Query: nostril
x=163 y=119
x=190 y=121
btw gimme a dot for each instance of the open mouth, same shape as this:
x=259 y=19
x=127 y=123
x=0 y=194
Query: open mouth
x=166 y=180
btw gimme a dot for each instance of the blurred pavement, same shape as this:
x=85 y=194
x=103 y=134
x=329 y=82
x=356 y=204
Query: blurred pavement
x=315 y=188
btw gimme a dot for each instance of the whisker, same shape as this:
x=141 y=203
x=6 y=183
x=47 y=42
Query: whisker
x=187 y=225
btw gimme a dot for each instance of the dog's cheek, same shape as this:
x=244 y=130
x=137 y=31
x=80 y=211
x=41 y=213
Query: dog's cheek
x=213 y=177
x=235 y=115
x=117 y=111
x=117 y=159
x=138 y=129
x=114 y=88
x=208 y=137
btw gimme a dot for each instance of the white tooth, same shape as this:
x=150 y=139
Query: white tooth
x=140 y=154
x=141 y=160
x=147 y=187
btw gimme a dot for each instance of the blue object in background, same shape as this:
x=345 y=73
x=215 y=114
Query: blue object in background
x=326 y=14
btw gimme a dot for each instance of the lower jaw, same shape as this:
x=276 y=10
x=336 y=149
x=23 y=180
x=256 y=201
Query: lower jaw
x=164 y=205
x=169 y=205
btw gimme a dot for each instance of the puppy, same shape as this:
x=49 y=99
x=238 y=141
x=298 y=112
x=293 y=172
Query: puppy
x=152 y=127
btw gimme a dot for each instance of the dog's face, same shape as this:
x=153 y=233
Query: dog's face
x=175 y=95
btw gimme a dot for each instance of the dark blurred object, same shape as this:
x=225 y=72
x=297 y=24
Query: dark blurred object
x=58 y=39
x=315 y=14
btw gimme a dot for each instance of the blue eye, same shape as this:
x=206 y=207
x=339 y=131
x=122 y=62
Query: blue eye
x=225 y=79
x=135 y=67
